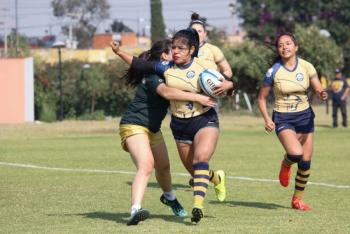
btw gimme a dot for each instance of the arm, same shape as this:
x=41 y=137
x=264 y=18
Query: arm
x=264 y=92
x=346 y=92
x=225 y=68
x=177 y=94
x=316 y=85
x=122 y=54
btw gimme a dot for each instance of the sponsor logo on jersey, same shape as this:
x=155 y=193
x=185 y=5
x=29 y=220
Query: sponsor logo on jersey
x=190 y=74
x=269 y=72
x=165 y=62
x=299 y=77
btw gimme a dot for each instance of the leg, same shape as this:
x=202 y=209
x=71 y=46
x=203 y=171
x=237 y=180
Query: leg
x=141 y=154
x=343 y=113
x=162 y=168
x=335 y=113
x=303 y=172
x=186 y=155
x=139 y=148
x=204 y=145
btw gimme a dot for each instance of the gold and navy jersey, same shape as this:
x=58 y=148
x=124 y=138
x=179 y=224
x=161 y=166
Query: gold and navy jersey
x=211 y=53
x=338 y=87
x=185 y=78
x=290 y=86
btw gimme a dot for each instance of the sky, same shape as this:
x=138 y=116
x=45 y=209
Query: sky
x=35 y=17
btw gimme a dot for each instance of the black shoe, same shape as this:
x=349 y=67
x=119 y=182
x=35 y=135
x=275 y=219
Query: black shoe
x=175 y=205
x=138 y=216
x=197 y=215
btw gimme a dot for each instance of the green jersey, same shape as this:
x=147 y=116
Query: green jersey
x=147 y=109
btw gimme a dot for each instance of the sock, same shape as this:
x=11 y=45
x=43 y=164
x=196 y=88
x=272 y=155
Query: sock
x=214 y=177
x=301 y=178
x=170 y=195
x=135 y=208
x=200 y=183
x=289 y=160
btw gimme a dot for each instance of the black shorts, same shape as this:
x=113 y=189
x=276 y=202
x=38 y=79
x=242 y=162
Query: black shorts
x=300 y=122
x=184 y=130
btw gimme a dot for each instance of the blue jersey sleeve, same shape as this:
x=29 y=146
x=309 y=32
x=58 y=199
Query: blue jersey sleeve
x=270 y=74
x=161 y=66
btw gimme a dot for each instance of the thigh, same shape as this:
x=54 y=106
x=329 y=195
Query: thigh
x=205 y=143
x=161 y=157
x=290 y=142
x=140 y=150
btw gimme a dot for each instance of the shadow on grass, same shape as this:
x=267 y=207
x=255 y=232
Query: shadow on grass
x=323 y=126
x=156 y=185
x=122 y=217
x=260 y=205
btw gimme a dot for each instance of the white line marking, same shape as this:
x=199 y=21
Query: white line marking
x=177 y=174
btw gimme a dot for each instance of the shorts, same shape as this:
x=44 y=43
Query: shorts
x=300 y=122
x=184 y=130
x=127 y=130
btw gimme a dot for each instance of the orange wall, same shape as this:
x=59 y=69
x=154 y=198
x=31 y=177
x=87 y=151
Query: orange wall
x=12 y=90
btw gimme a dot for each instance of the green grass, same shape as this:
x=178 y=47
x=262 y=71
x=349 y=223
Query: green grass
x=34 y=200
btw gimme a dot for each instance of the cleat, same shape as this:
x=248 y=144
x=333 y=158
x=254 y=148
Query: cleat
x=298 y=204
x=284 y=175
x=138 y=216
x=190 y=182
x=175 y=206
x=197 y=215
x=220 y=189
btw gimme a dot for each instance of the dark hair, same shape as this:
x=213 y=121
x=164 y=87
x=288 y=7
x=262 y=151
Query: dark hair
x=286 y=34
x=189 y=37
x=133 y=77
x=196 y=19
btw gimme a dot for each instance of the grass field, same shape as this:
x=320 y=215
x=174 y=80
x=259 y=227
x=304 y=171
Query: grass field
x=73 y=177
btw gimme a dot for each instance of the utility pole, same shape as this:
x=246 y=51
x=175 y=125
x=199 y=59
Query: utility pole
x=16 y=27
x=4 y=22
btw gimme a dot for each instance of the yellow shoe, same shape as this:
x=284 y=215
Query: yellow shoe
x=220 y=189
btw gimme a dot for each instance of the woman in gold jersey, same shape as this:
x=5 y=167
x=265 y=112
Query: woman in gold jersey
x=195 y=127
x=293 y=118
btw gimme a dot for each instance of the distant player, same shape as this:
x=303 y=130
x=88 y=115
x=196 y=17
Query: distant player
x=293 y=117
x=340 y=91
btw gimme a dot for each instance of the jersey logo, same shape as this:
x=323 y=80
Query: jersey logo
x=189 y=105
x=165 y=62
x=299 y=77
x=269 y=72
x=200 y=53
x=190 y=74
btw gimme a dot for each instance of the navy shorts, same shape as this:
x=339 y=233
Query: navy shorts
x=300 y=122
x=184 y=130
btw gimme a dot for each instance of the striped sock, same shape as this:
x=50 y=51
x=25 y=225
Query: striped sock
x=289 y=160
x=214 y=177
x=301 y=178
x=200 y=183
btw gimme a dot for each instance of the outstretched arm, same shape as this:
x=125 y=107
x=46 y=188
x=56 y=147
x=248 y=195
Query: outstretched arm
x=177 y=94
x=225 y=68
x=122 y=54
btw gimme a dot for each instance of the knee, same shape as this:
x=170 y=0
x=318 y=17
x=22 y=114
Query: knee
x=304 y=165
x=145 y=169
x=163 y=169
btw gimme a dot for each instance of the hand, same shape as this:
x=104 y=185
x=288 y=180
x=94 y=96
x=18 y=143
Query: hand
x=115 y=46
x=206 y=100
x=323 y=95
x=223 y=87
x=269 y=125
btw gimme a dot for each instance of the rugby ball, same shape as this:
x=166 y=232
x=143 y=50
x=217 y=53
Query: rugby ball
x=209 y=79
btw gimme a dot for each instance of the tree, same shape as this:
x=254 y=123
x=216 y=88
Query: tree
x=88 y=13
x=157 y=21
x=263 y=20
x=23 y=47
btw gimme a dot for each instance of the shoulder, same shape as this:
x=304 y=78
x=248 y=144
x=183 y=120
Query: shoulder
x=308 y=66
